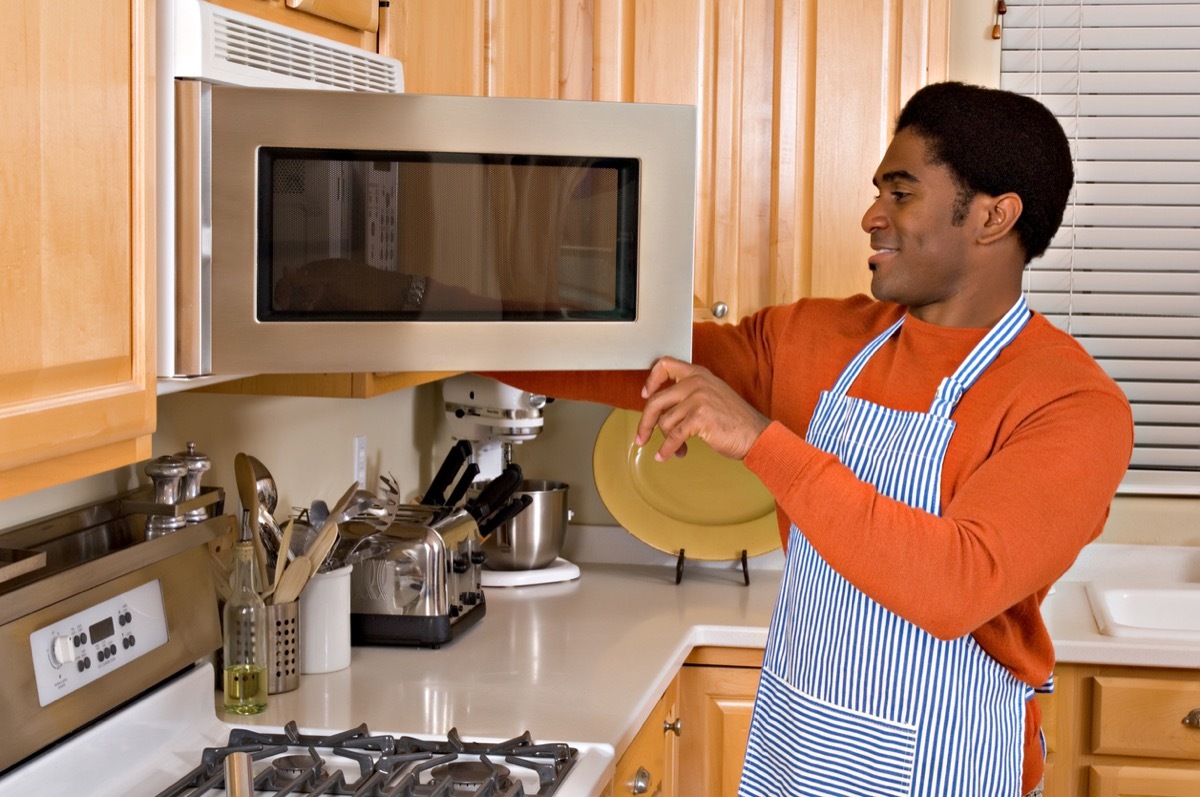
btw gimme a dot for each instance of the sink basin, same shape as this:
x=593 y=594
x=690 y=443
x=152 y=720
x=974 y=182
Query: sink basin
x=1170 y=611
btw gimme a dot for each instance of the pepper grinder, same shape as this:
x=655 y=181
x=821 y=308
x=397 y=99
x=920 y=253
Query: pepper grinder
x=167 y=474
x=197 y=465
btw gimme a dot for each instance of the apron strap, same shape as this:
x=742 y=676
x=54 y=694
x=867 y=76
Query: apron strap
x=999 y=336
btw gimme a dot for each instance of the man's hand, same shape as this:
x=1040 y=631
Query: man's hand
x=685 y=400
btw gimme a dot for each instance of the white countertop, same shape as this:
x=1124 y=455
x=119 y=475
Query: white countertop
x=585 y=661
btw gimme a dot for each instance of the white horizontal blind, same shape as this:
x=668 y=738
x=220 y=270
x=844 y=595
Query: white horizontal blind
x=1123 y=273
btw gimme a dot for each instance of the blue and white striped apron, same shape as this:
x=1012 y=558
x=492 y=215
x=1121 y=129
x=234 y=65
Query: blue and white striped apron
x=855 y=700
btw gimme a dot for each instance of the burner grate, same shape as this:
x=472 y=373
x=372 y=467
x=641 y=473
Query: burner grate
x=290 y=762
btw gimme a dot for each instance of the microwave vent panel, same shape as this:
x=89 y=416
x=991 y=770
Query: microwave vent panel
x=225 y=46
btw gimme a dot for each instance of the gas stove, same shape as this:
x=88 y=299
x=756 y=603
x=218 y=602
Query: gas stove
x=170 y=743
x=359 y=762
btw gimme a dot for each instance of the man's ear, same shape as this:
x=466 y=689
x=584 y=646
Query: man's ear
x=1003 y=212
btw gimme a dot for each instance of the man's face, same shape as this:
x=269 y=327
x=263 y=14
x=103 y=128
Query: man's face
x=920 y=255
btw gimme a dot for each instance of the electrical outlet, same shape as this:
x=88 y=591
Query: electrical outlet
x=360 y=460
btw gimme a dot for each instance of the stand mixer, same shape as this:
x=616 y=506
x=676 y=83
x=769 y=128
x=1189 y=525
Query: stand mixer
x=493 y=417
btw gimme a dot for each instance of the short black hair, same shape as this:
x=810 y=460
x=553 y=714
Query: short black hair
x=995 y=142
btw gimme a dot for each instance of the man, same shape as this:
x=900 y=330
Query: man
x=939 y=456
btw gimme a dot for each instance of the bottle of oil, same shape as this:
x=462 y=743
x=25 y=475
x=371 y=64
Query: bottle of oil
x=245 y=628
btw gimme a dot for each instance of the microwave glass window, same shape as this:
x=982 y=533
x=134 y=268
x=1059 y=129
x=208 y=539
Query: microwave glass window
x=445 y=236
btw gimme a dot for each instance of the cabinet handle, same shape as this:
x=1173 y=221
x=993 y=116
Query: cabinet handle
x=720 y=310
x=641 y=782
x=1192 y=720
x=677 y=726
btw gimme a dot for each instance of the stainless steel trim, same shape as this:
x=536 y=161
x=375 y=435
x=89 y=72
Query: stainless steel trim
x=30 y=597
x=193 y=228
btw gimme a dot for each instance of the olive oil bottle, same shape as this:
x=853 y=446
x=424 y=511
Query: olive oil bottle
x=245 y=629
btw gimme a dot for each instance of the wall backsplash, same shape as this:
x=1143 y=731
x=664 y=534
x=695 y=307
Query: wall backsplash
x=307 y=443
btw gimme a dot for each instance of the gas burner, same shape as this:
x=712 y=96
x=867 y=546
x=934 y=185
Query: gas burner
x=357 y=762
x=474 y=774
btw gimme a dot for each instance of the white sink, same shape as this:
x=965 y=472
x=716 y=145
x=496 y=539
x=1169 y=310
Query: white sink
x=1170 y=611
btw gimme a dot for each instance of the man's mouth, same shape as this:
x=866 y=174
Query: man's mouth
x=880 y=255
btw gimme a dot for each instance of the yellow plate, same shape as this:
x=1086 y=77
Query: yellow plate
x=708 y=505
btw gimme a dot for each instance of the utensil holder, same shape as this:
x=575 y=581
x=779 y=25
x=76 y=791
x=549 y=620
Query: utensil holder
x=283 y=647
x=325 y=620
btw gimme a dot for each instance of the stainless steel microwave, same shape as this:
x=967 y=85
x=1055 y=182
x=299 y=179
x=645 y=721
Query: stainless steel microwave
x=319 y=231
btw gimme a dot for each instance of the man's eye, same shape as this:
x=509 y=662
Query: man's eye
x=900 y=196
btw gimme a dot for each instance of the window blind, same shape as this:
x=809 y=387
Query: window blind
x=1123 y=273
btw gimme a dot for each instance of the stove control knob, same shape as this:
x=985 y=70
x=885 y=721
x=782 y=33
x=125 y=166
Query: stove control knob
x=62 y=651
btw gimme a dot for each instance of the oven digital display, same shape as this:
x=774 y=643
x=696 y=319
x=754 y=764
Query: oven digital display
x=101 y=630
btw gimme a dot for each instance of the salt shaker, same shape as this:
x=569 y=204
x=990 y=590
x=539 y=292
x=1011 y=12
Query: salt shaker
x=197 y=465
x=167 y=475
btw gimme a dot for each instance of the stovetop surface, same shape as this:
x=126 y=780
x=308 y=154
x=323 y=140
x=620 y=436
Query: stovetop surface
x=170 y=742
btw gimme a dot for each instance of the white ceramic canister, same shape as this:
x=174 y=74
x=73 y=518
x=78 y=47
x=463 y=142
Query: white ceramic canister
x=325 y=622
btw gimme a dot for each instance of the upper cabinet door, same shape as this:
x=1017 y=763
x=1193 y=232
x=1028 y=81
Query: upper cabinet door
x=77 y=391
x=796 y=100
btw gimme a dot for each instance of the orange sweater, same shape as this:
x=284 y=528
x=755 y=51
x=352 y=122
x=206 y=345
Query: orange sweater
x=1042 y=440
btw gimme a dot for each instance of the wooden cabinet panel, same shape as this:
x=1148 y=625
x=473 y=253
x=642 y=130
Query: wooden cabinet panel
x=77 y=385
x=1141 y=781
x=715 y=707
x=1143 y=716
x=648 y=765
x=1049 y=706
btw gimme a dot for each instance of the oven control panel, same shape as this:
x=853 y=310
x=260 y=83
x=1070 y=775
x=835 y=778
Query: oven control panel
x=74 y=651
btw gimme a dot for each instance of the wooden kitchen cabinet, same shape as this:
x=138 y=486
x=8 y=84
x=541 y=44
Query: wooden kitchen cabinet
x=1120 y=731
x=795 y=101
x=648 y=765
x=77 y=381
x=340 y=385
x=716 y=697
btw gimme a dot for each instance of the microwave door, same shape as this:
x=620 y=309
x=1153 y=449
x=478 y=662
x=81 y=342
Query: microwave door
x=400 y=232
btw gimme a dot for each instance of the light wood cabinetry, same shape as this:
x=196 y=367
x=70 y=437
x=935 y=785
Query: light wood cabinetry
x=77 y=382
x=795 y=101
x=648 y=765
x=347 y=385
x=716 y=696
x=1119 y=732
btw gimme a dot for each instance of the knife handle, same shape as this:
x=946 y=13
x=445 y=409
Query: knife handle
x=505 y=514
x=464 y=483
x=496 y=492
x=445 y=476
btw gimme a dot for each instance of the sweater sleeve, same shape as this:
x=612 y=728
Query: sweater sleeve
x=738 y=353
x=1013 y=526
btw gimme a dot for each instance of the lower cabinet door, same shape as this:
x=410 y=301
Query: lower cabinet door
x=1139 y=781
x=715 y=704
x=648 y=764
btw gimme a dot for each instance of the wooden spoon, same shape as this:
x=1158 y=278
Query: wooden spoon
x=293 y=580
x=243 y=472
x=284 y=541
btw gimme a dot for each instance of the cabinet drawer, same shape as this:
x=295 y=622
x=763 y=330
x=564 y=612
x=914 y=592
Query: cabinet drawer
x=1131 y=781
x=1144 y=717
